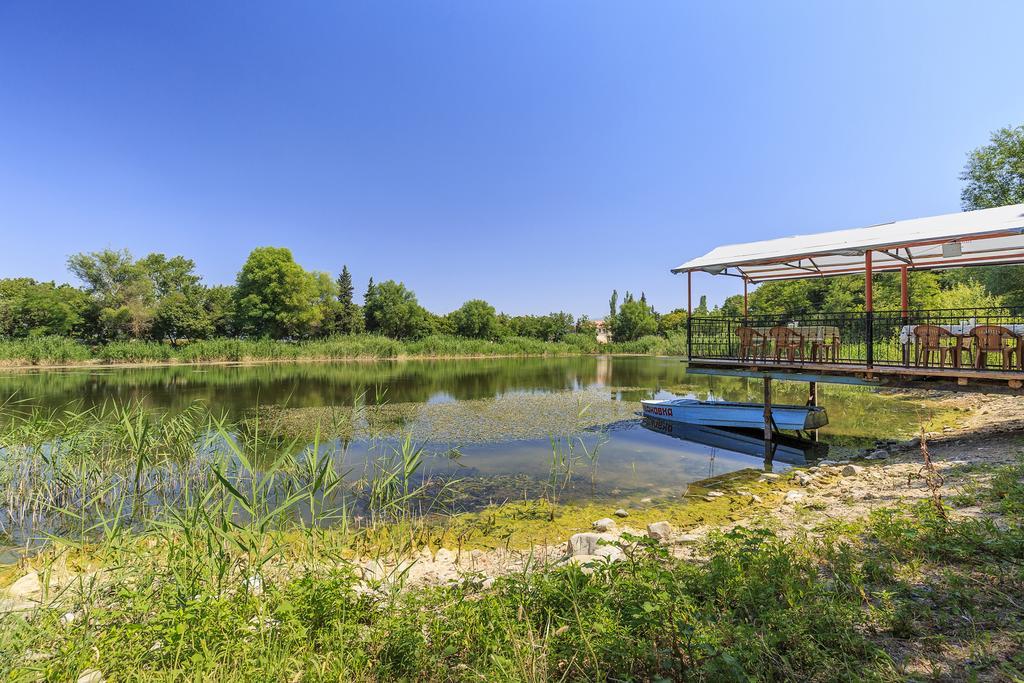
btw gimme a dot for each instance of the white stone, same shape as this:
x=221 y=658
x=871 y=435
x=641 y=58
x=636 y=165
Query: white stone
x=794 y=497
x=589 y=543
x=25 y=586
x=768 y=476
x=803 y=479
x=715 y=494
x=755 y=498
x=659 y=531
x=91 y=676
x=688 y=538
x=646 y=500
x=852 y=470
x=255 y=584
x=604 y=524
x=621 y=513
x=68 y=618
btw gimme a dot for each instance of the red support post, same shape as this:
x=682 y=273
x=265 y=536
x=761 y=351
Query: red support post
x=904 y=293
x=869 y=308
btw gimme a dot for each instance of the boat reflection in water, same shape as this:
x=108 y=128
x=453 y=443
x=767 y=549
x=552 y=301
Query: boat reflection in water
x=788 y=449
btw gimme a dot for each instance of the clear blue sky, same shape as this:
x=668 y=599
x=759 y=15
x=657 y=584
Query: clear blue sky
x=535 y=154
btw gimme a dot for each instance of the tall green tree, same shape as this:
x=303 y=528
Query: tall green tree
x=393 y=311
x=994 y=176
x=634 y=320
x=350 y=319
x=274 y=296
x=124 y=294
x=476 y=319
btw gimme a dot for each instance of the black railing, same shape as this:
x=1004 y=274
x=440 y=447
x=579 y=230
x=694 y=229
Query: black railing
x=966 y=338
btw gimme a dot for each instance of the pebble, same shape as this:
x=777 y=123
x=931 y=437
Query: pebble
x=755 y=498
x=91 y=676
x=646 y=500
x=621 y=513
x=852 y=470
x=768 y=476
x=793 y=497
x=715 y=494
x=803 y=479
x=688 y=538
x=68 y=618
x=659 y=531
x=604 y=524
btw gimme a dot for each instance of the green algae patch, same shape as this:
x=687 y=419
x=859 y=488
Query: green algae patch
x=524 y=524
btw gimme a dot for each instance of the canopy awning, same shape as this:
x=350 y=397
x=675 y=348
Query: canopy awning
x=969 y=238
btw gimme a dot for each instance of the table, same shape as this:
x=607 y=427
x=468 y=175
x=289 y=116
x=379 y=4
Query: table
x=963 y=331
x=820 y=337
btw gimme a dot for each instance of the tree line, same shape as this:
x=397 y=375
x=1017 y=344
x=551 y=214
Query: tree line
x=163 y=298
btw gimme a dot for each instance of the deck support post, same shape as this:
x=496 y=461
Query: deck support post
x=869 y=311
x=905 y=310
x=689 y=314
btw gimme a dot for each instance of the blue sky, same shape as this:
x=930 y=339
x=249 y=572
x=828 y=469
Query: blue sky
x=535 y=154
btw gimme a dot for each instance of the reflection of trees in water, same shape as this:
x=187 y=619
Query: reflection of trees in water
x=237 y=389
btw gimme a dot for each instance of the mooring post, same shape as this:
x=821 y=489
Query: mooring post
x=812 y=399
x=769 y=446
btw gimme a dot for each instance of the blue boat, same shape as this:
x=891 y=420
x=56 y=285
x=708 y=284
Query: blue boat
x=787 y=449
x=729 y=414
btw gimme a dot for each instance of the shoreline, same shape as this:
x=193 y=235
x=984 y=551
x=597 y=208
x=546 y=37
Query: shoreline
x=98 y=364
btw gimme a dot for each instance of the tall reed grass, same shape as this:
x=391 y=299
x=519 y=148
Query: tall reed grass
x=62 y=351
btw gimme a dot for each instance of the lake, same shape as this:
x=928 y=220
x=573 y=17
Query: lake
x=499 y=424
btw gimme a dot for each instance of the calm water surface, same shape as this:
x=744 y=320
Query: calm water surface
x=499 y=414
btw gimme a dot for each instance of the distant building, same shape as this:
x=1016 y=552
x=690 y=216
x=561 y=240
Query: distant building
x=604 y=335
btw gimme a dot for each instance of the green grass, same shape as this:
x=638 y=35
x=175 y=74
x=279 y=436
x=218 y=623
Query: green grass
x=62 y=351
x=233 y=585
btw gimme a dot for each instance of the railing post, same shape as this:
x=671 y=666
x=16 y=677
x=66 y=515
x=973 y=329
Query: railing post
x=869 y=311
x=689 y=315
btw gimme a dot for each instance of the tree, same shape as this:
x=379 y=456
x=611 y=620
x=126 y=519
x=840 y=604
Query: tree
x=994 y=174
x=274 y=296
x=672 y=322
x=392 y=310
x=29 y=308
x=350 y=319
x=476 y=319
x=122 y=290
x=584 y=325
x=179 y=316
x=326 y=301
x=170 y=275
x=219 y=304
x=613 y=303
x=634 y=320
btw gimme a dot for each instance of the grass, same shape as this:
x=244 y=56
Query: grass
x=43 y=351
x=251 y=575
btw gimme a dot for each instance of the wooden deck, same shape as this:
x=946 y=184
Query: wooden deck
x=943 y=379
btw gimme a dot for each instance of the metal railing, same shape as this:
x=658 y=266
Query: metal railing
x=879 y=338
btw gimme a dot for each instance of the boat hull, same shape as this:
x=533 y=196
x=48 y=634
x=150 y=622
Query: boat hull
x=728 y=414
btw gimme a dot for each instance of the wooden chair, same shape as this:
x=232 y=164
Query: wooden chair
x=932 y=339
x=826 y=347
x=752 y=343
x=789 y=340
x=993 y=339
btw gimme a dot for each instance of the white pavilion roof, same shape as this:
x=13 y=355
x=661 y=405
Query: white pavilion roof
x=968 y=238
